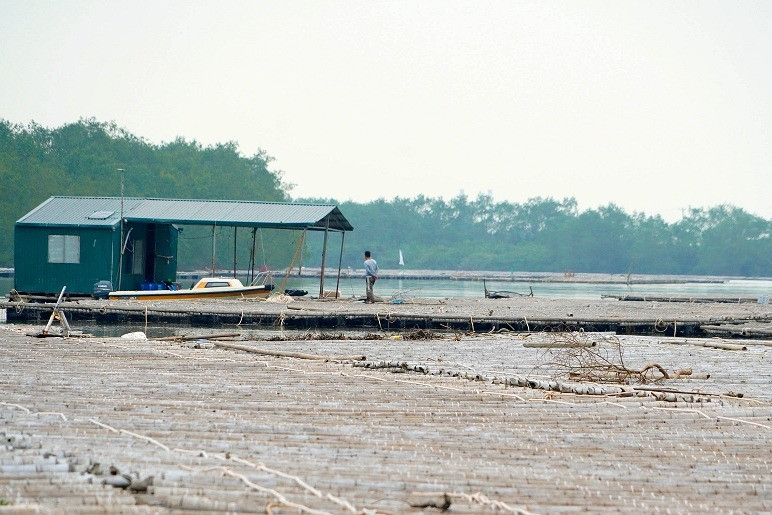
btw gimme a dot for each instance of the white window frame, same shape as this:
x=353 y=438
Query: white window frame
x=64 y=248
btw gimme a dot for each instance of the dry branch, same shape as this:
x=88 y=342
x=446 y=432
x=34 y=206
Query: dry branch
x=285 y=354
x=579 y=358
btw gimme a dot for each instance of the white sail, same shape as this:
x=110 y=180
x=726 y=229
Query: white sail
x=401 y=261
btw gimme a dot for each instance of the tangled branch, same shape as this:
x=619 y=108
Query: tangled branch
x=577 y=356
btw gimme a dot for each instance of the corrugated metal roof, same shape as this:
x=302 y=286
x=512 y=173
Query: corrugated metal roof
x=69 y=211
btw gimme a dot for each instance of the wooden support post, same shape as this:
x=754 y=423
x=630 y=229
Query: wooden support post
x=324 y=257
x=214 y=249
x=123 y=227
x=234 y=251
x=302 y=244
x=252 y=257
x=340 y=261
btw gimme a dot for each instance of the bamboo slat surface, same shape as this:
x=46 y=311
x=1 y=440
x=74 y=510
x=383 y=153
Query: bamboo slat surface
x=225 y=430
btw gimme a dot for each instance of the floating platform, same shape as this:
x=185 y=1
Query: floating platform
x=109 y=425
x=521 y=314
x=742 y=299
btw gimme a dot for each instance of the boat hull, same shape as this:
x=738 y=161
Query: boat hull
x=196 y=293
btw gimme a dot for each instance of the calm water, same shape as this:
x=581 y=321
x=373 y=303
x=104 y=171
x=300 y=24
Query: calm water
x=406 y=289
x=474 y=289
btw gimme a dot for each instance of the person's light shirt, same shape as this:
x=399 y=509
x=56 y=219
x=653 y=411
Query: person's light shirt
x=371 y=268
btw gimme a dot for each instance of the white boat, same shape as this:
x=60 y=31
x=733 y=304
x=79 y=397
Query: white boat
x=206 y=288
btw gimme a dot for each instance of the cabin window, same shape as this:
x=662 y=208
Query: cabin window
x=138 y=257
x=63 y=248
x=217 y=284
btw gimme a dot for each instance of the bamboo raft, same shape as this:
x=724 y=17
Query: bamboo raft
x=743 y=299
x=519 y=314
x=105 y=425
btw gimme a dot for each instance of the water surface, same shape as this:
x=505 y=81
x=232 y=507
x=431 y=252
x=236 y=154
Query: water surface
x=406 y=289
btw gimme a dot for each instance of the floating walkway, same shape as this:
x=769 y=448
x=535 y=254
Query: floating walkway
x=523 y=314
x=742 y=299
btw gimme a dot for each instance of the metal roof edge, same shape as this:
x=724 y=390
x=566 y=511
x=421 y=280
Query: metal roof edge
x=34 y=210
x=104 y=227
x=230 y=201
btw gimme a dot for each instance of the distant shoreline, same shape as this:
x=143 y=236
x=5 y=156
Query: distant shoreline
x=496 y=276
x=476 y=275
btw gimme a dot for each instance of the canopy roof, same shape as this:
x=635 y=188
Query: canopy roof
x=106 y=211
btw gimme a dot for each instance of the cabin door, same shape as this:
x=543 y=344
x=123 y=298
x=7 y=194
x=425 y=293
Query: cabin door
x=150 y=253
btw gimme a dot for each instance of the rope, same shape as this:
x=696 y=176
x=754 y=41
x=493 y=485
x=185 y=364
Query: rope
x=660 y=325
x=226 y=457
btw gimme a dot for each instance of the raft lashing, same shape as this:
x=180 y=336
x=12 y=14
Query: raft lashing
x=354 y=318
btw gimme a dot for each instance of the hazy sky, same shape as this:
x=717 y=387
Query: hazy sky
x=656 y=106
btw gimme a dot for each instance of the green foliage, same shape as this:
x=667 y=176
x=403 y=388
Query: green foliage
x=83 y=158
x=544 y=234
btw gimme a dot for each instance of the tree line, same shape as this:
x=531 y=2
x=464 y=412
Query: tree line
x=541 y=234
x=549 y=235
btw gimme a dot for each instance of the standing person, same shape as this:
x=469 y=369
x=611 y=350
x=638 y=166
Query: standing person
x=371 y=275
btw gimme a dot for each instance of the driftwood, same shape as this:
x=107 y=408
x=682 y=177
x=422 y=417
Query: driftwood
x=197 y=337
x=284 y=354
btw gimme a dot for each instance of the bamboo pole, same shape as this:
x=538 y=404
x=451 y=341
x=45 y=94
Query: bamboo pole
x=196 y=337
x=719 y=345
x=285 y=354
x=547 y=345
x=684 y=392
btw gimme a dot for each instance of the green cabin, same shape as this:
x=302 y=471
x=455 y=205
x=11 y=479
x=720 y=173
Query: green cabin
x=78 y=241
